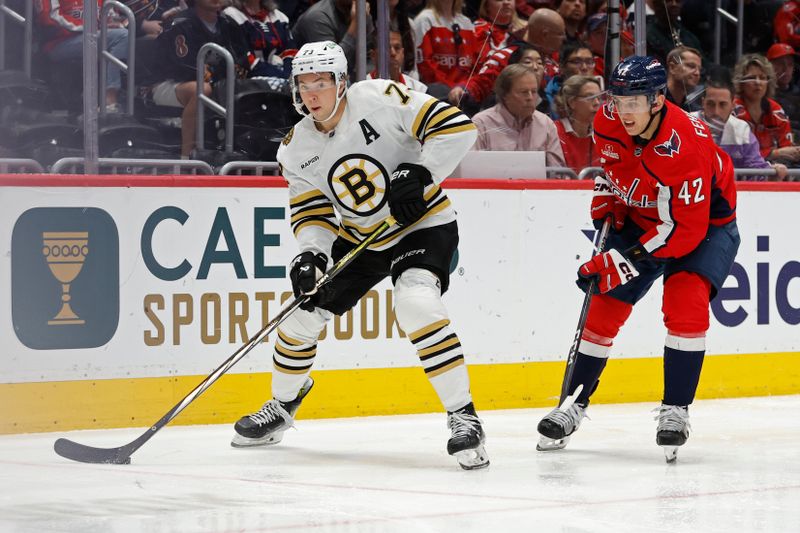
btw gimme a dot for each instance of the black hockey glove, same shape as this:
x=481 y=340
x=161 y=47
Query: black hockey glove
x=406 y=189
x=306 y=269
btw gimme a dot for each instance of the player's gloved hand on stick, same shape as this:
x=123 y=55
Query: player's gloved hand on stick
x=606 y=203
x=611 y=268
x=406 y=190
x=305 y=270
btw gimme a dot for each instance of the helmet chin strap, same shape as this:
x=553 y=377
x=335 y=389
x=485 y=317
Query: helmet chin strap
x=339 y=97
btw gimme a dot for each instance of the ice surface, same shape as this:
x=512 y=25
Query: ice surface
x=740 y=471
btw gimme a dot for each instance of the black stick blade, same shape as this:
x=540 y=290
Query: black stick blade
x=89 y=454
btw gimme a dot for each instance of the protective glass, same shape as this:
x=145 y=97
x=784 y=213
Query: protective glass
x=630 y=104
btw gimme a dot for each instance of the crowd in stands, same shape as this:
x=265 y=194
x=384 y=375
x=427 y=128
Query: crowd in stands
x=531 y=73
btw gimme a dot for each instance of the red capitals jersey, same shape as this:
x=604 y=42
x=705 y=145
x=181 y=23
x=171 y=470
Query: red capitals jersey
x=447 y=51
x=675 y=185
x=787 y=23
x=58 y=20
x=773 y=131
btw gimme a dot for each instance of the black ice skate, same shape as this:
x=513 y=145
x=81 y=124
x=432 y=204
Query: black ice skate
x=467 y=438
x=673 y=429
x=557 y=426
x=267 y=425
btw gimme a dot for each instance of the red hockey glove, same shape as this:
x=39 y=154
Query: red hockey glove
x=611 y=268
x=605 y=203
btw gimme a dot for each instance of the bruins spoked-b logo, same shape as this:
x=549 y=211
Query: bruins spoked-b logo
x=64 y=278
x=359 y=183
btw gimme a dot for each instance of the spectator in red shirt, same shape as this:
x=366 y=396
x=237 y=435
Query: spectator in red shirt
x=60 y=27
x=446 y=46
x=497 y=22
x=787 y=92
x=755 y=85
x=545 y=34
x=577 y=102
x=787 y=24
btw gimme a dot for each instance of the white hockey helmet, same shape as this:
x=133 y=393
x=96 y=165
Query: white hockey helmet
x=322 y=56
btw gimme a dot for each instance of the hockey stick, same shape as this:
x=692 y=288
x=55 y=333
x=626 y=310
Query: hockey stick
x=573 y=351
x=122 y=455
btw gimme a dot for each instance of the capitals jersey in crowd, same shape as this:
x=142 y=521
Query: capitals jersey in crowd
x=446 y=49
x=58 y=20
x=675 y=185
x=347 y=170
x=773 y=131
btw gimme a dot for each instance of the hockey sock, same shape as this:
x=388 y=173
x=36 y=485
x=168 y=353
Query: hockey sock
x=442 y=358
x=587 y=373
x=681 y=375
x=295 y=350
x=685 y=308
x=422 y=315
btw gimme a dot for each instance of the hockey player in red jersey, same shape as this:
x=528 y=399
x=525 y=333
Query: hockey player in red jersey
x=671 y=195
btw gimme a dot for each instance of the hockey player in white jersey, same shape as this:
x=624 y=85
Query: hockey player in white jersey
x=365 y=153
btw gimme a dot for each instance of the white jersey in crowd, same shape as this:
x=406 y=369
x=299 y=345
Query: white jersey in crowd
x=409 y=81
x=347 y=170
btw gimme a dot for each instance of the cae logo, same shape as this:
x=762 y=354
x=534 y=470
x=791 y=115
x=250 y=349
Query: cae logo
x=64 y=278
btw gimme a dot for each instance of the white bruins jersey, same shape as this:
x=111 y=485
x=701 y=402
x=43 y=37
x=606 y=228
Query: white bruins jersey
x=347 y=171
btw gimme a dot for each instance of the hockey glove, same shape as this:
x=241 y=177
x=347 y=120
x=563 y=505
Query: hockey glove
x=611 y=268
x=306 y=269
x=606 y=203
x=406 y=189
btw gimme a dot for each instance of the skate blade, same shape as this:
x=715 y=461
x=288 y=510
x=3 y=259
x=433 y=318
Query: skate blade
x=670 y=454
x=244 y=442
x=473 y=458
x=546 y=444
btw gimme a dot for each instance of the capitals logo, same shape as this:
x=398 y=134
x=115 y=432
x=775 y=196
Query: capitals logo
x=671 y=147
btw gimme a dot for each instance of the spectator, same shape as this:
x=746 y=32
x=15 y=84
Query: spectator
x=400 y=22
x=683 y=77
x=787 y=92
x=396 y=61
x=596 y=27
x=730 y=133
x=513 y=124
x=331 y=20
x=595 y=36
x=269 y=38
x=755 y=86
x=447 y=50
x=60 y=24
x=665 y=31
x=545 y=34
x=573 y=12
x=179 y=45
x=529 y=56
x=152 y=15
x=787 y=24
x=497 y=24
x=577 y=102
x=575 y=58
x=525 y=8
x=649 y=11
